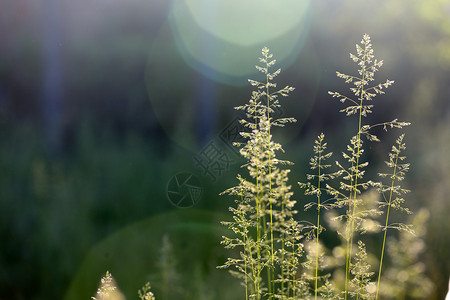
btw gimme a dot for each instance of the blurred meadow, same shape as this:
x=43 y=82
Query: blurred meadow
x=107 y=105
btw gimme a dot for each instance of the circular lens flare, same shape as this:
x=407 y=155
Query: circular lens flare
x=218 y=38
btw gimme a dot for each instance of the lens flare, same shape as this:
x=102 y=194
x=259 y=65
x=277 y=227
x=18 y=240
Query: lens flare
x=217 y=37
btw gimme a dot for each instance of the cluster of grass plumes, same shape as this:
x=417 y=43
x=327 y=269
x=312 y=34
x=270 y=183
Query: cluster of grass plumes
x=262 y=219
x=281 y=257
x=108 y=290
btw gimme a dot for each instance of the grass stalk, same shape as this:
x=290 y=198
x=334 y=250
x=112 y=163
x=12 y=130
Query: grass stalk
x=318 y=229
x=271 y=267
x=386 y=226
x=293 y=276
x=355 y=186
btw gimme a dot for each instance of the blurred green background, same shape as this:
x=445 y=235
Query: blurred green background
x=103 y=103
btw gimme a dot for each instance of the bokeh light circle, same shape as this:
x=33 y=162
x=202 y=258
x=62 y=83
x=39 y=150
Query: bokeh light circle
x=217 y=37
x=187 y=102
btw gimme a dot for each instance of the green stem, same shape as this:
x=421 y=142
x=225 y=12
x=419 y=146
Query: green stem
x=272 y=283
x=346 y=269
x=246 y=276
x=245 y=263
x=252 y=265
x=293 y=275
x=258 y=236
x=264 y=224
x=283 y=237
x=386 y=225
x=355 y=186
x=318 y=227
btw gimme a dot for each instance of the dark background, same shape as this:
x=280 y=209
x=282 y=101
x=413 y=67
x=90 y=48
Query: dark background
x=103 y=102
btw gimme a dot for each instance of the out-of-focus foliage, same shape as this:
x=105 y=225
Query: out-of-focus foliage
x=177 y=252
x=108 y=289
x=404 y=275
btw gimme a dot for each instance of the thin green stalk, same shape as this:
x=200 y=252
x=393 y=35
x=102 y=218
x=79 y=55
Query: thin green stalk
x=353 y=209
x=258 y=220
x=246 y=276
x=355 y=187
x=245 y=263
x=258 y=234
x=318 y=227
x=283 y=237
x=349 y=241
x=255 y=280
x=386 y=225
x=270 y=182
x=258 y=225
x=293 y=275
x=269 y=277
x=252 y=267
x=346 y=269
x=283 y=245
